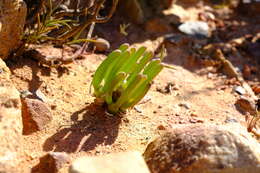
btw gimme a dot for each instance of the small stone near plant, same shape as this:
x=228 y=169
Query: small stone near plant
x=128 y=162
x=195 y=28
x=36 y=115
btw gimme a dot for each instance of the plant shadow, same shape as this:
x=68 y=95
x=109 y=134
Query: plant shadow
x=95 y=128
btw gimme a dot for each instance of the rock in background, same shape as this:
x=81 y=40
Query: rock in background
x=10 y=123
x=139 y=11
x=12 y=20
x=204 y=149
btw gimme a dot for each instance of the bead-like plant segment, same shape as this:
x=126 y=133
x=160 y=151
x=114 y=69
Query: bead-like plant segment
x=125 y=77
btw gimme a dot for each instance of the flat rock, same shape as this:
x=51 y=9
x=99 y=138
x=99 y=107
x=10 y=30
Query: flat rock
x=10 y=122
x=127 y=162
x=12 y=20
x=36 y=115
x=204 y=149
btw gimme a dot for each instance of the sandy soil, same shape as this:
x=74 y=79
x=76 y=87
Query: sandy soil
x=79 y=127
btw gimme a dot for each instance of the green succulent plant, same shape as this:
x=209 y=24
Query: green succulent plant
x=125 y=77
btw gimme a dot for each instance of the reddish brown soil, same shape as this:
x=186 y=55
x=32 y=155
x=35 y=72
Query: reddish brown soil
x=80 y=127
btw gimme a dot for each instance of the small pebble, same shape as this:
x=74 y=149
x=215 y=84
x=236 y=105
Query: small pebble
x=161 y=127
x=137 y=109
x=195 y=28
x=210 y=75
x=230 y=120
x=126 y=120
x=240 y=90
x=41 y=96
x=182 y=122
x=185 y=105
x=101 y=45
x=196 y=120
x=53 y=107
x=193 y=114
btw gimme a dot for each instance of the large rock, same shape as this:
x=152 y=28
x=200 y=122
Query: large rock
x=128 y=162
x=12 y=20
x=10 y=122
x=204 y=149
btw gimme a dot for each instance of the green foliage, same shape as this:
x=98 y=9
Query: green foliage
x=45 y=24
x=125 y=77
x=41 y=23
x=48 y=22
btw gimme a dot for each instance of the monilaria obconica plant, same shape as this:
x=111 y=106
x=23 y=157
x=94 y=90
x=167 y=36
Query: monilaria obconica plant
x=125 y=77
